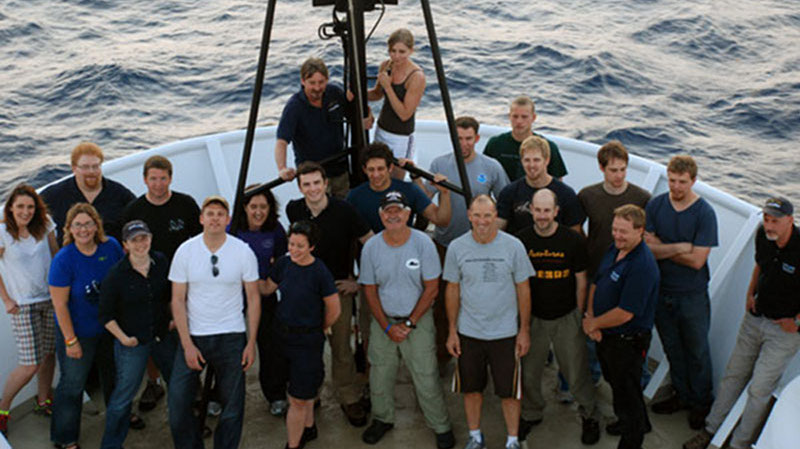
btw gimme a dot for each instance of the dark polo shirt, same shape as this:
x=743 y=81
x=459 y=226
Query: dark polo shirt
x=630 y=284
x=778 y=291
x=340 y=225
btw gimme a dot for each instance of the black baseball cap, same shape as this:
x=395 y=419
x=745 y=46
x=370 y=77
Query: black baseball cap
x=394 y=198
x=778 y=207
x=134 y=228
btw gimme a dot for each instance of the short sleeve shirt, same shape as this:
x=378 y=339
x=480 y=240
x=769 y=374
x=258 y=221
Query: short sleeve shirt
x=778 y=290
x=505 y=149
x=486 y=176
x=340 y=226
x=83 y=275
x=399 y=271
x=555 y=259
x=487 y=275
x=267 y=245
x=302 y=292
x=367 y=201
x=316 y=133
x=514 y=203
x=25 y=265
x=630 y=284
x=697 y=225
x=171 y=223
x=214 y=304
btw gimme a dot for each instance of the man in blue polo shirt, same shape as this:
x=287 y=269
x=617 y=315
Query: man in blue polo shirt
x=681 y=229
x=367 y=197
x=619 y=317
x=312 y=121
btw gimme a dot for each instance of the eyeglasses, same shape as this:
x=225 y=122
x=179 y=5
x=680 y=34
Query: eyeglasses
x=214 y=267
x=88 y=225
x=87 y=167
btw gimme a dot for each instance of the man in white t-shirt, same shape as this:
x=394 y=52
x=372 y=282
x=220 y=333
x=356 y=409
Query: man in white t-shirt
x=207 y=274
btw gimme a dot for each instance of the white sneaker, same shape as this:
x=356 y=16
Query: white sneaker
x=278 y=408
x=214 y=408
x=475 y=444
x=514 y=445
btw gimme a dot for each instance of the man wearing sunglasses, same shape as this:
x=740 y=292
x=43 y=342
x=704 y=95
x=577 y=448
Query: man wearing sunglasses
x=207 y=274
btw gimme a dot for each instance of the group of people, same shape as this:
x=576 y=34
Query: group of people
x=95 y=277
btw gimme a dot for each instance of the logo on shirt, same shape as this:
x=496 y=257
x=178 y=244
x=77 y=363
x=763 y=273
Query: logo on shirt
x=102 y=258
x=412 y=264
x=482 y=178
x=176 y=225
x=788 y=268
x=614 y=276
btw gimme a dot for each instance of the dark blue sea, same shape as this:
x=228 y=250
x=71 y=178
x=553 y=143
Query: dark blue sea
x=716 y=79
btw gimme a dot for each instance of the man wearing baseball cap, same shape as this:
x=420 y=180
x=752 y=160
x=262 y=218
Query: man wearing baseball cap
x=400 y=273
x=768 y=337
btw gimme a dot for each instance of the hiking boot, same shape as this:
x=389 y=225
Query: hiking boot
x=615 y=428
x=355 y=414
x=668 y=406
x=475 y=444
x=699 y=441
x=278 y=408
x=309 y=434
x=591 y=431
x=44 y=408
x=150 y=396
x=697 y=417
x=445 y=440
x=525 y=427
x=376 y=431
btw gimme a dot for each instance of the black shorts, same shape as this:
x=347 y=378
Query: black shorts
x=497 y=355
x=302 y=354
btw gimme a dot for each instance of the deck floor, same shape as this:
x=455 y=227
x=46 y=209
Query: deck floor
x=561 y=427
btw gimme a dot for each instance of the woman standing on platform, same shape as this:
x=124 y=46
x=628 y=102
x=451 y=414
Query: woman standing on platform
x=27 y=245
x=75 y=275
x=134 y=307
x=309 y=304
x=401 y=84
x=267 y=238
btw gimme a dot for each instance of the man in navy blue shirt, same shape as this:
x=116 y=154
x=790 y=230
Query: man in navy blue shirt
x=619 y=317
x=681 y=229
x=312 y=121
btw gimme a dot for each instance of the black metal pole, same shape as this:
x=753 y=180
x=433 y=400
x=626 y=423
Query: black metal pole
x=251 y=123
x=448 y=107
x=358 y=70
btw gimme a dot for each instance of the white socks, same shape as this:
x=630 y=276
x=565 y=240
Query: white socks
x=510 y=440
x=476 y=435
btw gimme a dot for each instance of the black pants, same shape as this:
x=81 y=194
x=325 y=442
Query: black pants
x=621 y=359
x=272 y=380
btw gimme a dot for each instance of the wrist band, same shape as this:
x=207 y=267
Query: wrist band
x=71 y=342
x=386 y=331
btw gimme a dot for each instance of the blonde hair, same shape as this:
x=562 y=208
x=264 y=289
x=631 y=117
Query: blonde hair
x=524 y=100
x=88 y=209
x=83 y=149
x=535 y=143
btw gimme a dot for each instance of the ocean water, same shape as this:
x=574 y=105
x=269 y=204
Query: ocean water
x=715 y=79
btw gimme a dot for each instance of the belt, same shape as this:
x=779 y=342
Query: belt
x=630 y=336
x=298 y=329
x=397 y=318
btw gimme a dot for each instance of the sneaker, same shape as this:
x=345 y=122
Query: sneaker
x=514 y=445
x=376 y=431
x=309 y=434
x=44 y=408
x=214 y=408
x=668 y=406
x=475 y=444
x=4 y=422
x=615 y=428
x=136 y=422
x=699 y=441
x=525 y=427
x=355 y=414
x=445 y=440
x=150 y=396
x=278 y=408
x=697 y=417
x=591 y=431
x=564 y=397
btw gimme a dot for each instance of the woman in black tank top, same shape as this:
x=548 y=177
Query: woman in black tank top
x=401 y=84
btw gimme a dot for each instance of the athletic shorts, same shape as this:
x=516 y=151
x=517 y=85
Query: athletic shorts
x=34 y=329
x=496 y=355
x=302 y=354
x=401 y=145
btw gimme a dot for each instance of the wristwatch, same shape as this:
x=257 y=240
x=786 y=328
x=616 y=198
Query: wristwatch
x=410 y=325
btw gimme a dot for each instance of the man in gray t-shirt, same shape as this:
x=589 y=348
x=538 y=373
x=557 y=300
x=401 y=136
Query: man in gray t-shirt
x=400 y=273
x=488 y=292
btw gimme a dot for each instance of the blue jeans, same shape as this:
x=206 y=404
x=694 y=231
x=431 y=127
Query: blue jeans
x=65 y=427
x=223 y=353
x=131 y=364
x=682 y=322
